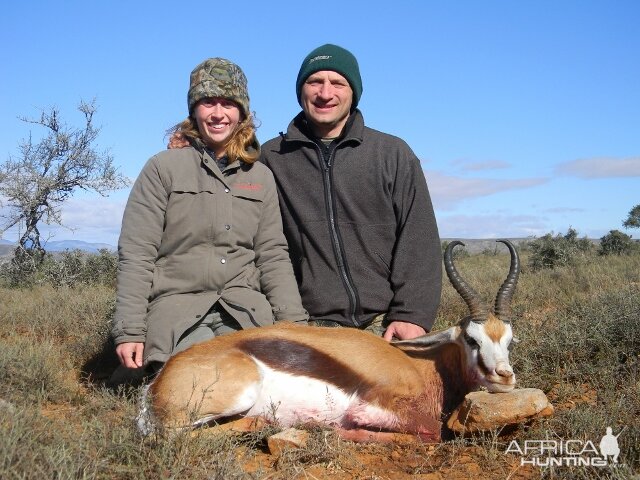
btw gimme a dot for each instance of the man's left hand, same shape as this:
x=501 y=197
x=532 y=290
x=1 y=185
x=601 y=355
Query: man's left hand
x=403 y=331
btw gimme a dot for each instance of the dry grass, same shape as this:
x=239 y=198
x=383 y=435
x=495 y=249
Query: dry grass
x=580 y=332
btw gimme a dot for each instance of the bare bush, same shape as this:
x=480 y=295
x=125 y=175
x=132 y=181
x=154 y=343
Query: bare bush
x=37 y=182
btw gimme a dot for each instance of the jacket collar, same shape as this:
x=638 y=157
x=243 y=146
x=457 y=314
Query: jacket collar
x=209 y=163
x=299 y=130
x=199 y=145
x=208 y=160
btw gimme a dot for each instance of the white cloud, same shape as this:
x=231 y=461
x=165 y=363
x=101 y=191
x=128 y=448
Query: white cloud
x=601 y=167
x=95 y=212
x=477 y=166
x=91 y=219
x=491 y=226
x=447 y=190
x=564 y=210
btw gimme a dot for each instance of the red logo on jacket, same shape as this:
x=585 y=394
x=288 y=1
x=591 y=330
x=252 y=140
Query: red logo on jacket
x=248 y=186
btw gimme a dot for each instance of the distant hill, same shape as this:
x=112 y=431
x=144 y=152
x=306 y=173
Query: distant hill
x=478 y=245
x=61 y=245
x=6 y=247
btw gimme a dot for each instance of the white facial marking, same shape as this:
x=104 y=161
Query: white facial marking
x=488 y=362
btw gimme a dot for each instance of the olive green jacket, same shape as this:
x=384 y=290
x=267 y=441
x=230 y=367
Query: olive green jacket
x=193 y=235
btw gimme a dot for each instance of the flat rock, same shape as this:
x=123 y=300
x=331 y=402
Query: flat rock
x=289 y=438
x=481 y=411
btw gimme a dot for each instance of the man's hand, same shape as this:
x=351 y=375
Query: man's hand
x=403 y=331
x=130 y=354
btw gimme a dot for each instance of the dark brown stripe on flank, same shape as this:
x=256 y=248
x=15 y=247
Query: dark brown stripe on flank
x=299 y=359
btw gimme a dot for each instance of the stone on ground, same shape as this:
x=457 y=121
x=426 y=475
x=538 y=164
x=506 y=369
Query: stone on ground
x=290 y=438
x=482 y=411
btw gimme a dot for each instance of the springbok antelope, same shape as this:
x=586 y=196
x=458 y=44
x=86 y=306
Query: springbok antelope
x=343 y=377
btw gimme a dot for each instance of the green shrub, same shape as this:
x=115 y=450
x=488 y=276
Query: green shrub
x=101 y=268
x=616 y=243
x=21 y=269
x=551 y=251
x=70 y=268
x=63 y=270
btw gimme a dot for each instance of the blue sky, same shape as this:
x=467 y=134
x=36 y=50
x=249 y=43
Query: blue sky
x=525 y=115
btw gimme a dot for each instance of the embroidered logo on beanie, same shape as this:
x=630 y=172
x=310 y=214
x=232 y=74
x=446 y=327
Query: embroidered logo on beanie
x=320 y=57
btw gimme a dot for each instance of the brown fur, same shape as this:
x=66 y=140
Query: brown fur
x=445 y=385
x=495 y=328
x=192 y=389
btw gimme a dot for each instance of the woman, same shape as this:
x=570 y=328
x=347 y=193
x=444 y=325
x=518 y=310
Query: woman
x=201 y=248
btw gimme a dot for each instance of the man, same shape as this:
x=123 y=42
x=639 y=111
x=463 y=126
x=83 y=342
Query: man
x=356 y=209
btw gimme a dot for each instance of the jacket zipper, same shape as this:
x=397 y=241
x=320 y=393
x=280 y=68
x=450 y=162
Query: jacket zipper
x=335 y=237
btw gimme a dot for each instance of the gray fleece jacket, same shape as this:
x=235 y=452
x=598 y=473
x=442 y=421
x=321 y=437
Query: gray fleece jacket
x=359 y=223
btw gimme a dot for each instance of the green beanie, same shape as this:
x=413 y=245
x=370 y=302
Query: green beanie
x=334 y=58
x=217 y=77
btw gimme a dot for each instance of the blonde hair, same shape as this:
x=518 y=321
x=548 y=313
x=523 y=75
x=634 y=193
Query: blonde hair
x=242 y=145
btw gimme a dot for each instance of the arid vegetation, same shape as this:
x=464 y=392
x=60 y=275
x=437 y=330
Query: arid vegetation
x=578 y=321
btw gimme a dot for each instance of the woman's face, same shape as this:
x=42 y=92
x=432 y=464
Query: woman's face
x=217 y=119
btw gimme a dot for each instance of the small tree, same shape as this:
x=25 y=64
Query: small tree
x=633 y=220
x=36 y=184
x=616 y=243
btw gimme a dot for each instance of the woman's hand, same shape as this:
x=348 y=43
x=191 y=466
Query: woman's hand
x=130 y=354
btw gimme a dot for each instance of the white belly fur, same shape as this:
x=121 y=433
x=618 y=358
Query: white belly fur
x=289 y=400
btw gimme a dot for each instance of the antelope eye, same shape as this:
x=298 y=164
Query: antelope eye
x=471 y=341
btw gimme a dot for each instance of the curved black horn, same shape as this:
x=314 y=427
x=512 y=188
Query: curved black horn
x=503 y=299
x=468 y=294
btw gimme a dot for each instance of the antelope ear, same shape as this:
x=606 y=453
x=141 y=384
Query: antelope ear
x=429 y=341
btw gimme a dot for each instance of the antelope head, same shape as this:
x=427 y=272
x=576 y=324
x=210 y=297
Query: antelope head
x=483 y=337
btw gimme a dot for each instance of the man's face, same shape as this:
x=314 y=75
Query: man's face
x=326 y=98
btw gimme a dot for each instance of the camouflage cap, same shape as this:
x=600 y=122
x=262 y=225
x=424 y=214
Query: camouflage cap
x=218 y=77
